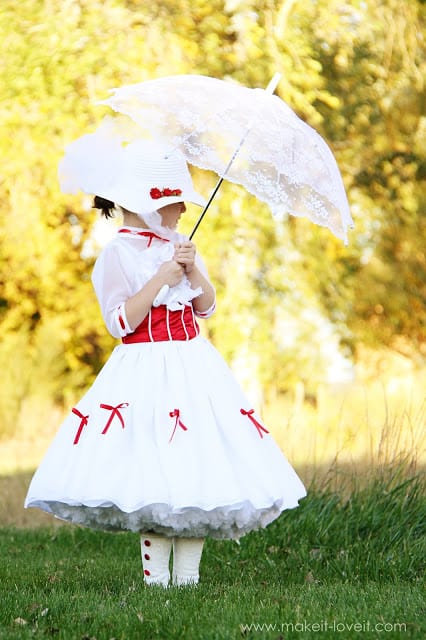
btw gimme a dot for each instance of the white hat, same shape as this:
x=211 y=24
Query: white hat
x=141 y=177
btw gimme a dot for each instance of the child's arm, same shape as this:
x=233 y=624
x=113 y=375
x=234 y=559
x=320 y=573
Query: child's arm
x=138 y=306
x=123 y=310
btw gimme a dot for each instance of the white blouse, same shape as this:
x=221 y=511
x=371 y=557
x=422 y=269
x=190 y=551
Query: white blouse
x=125 y=265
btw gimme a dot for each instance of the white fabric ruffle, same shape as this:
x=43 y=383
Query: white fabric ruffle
x=147 y=266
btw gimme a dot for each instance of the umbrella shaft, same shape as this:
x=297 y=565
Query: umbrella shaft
x=269 y=89
x=215 y=190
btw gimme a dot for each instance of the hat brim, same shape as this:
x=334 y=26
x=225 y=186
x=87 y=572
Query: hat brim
x=147 y=205
x=193 y=197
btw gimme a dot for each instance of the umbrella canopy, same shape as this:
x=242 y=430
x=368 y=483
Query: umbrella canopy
x=280 y=159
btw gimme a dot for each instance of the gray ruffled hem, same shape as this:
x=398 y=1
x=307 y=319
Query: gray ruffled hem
x=230 y=522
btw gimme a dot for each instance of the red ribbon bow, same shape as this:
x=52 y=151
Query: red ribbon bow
x=84 y=421
x=176 y=413
x=257 y=424
x=147 y=234
x=115 y=411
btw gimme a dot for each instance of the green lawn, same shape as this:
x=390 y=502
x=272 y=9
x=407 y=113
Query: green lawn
x=349 y=567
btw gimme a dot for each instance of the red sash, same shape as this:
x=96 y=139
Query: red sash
x=161 y=325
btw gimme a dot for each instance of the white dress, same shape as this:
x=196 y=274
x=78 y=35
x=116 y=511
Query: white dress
x=165 y=439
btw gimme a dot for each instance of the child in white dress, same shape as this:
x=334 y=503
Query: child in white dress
x=164 y=443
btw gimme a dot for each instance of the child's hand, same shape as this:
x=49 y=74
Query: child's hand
x=185 y=255
x=171 y=273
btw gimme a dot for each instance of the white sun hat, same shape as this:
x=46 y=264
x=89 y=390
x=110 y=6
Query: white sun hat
x=142 y=176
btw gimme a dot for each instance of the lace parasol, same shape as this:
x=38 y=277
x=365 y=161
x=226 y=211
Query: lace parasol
x=280 y=159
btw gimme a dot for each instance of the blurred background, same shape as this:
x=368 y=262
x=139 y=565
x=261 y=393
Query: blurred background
x=329 y=341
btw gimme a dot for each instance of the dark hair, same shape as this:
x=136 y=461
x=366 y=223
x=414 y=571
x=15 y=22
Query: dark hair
x=106 y=206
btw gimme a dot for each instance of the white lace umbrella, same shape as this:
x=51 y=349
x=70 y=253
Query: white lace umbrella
x=248 y=136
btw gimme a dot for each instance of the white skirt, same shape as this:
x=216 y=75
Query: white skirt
x=165 y=441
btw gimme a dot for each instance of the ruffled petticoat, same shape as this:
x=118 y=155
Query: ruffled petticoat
x=166 y=441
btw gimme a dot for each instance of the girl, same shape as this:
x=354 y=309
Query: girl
x=164 y=443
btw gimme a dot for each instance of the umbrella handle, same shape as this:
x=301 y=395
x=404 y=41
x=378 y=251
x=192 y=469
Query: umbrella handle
x=273 y=83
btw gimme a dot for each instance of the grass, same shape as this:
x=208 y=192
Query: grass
x=353 y=562
x=350 y=561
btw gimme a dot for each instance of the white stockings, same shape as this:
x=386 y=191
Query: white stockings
x=186 y=560
x=155 y=551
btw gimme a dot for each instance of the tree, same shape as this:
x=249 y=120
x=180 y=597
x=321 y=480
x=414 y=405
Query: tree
x=376 y=69
x=353 y=70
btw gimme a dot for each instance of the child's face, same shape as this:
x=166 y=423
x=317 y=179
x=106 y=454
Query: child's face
x=171 y=213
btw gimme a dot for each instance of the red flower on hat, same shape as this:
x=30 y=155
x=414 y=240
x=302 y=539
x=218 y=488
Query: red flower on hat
x=157 y=193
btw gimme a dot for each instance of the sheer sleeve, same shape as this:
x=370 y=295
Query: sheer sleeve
x=202 y=267
x=112 y=283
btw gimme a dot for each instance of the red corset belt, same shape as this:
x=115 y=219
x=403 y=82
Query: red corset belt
x=161 y=325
